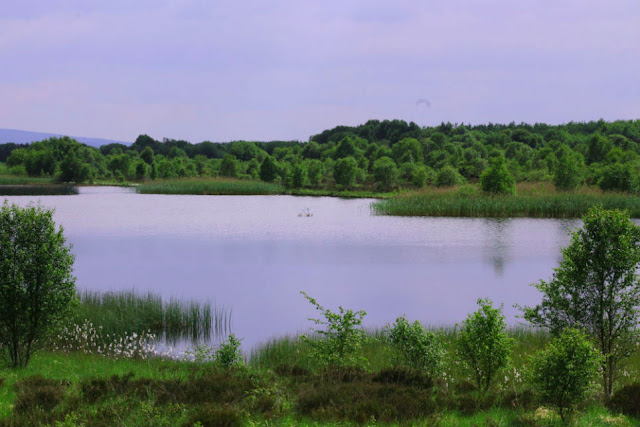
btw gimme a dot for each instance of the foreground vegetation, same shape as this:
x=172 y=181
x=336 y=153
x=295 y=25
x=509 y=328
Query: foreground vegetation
x=532 y=200
x=282 y=383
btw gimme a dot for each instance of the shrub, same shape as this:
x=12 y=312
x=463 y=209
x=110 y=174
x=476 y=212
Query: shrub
x=344 y=171
x=483 y=344
x=561 y=374
x=567 y=174
x=228 y=355
x=342 y=338
x=419 y=348
x=37 y=289
x=268 y=169
x=448 y=176
x=497 y=179
x=627 y=400
x=385 y=172
x=216 y=416
x=619 y=177
x=419 y=177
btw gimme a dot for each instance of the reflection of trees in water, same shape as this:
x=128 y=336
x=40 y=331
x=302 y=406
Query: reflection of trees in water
x=497 y=242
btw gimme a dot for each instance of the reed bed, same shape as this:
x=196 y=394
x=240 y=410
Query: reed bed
x=37 y=190
x=534 y=202
x=209 y=186
x=126 y=312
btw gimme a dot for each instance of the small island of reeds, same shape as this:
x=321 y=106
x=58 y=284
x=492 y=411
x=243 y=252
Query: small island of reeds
x=539 y=200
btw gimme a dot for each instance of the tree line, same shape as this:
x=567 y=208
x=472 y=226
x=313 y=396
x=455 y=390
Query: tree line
x=381 y=155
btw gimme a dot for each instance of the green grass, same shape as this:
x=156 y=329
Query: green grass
x=539 y=201
x=127 y=312
x=209 y=186
x=279 y=387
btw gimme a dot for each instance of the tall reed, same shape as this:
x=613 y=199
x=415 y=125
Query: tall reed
x=209 y=186
x=544 y=203
x=37 y=190
x=128 y=312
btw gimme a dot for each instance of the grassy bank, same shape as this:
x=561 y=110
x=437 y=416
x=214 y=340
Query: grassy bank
x=281 y=385
x=535 y=201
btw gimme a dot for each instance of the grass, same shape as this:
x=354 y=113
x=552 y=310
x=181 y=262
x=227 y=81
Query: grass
x=38 y=190
x=532 y=200
x=279 y=386
x=209 y=186
x=12 y=185
x=128 y=312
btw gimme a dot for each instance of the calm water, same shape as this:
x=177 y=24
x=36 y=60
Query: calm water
x=255 y=254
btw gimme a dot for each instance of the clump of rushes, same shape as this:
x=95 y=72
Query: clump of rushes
x=126 y=312
x=209 y=186
x=545 y=203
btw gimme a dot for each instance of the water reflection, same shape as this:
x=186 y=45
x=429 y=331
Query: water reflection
x=497 y=242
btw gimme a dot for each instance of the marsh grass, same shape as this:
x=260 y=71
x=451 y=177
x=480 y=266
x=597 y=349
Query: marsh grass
x=532 y=200
x=209 y=186
x=30 y=189
x=127 y=312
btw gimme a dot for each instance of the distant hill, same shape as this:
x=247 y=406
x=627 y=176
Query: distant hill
x=25 y=136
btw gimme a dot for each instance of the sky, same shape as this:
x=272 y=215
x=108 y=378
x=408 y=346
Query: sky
x=279 y=70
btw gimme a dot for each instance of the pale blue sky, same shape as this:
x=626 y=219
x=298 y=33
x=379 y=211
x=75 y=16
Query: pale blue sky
x=263 y=70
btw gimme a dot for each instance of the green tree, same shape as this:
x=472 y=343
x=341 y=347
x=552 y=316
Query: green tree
x=72 y=169
x=619 y=177
x=561 y=373
x=596 y=288
x=497 y=179
x=448 y=176
x=268 y=169
x=567 y=174
x=420 y=176
x=316 y=171
x=385 y=172
x=229 y=166
x=147 y=155
x=483 y=344
x=344 y=171
x=37 y=289
x=345 y=148
x=299 y=177
x=408 y=149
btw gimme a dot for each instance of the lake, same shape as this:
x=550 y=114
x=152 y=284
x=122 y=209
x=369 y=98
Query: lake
x=254 y=254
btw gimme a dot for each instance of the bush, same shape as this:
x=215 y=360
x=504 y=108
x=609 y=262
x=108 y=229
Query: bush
x=342 y=338
x=37 y=290
x=420 y=349
x=619 y=177
x=483 y=344
x=228 y=355
x=216 y=416
x=448 y=176
x=627 y=400
x=344 y=171
x=497 y=179
x=567 y=174
x=385 y=172
x=561 y=374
